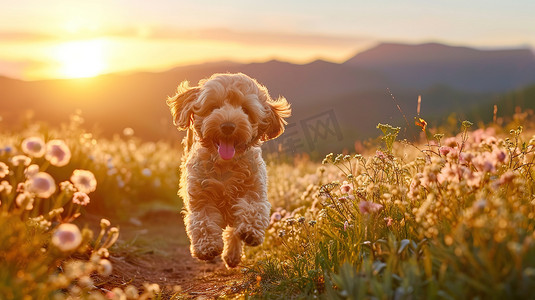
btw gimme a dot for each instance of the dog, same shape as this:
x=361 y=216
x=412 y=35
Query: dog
x=223 y=176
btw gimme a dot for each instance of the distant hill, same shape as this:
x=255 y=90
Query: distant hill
x=354 y=95
x=425 y=65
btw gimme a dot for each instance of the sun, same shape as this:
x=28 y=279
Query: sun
x=80 y=59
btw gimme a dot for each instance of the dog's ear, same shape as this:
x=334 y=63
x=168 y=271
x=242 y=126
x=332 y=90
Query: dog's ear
x=181 y=105
x=274 y=123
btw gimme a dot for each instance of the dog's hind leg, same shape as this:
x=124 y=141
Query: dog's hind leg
x=233 y=248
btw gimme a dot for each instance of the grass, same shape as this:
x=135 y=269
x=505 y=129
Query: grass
x=450 y=218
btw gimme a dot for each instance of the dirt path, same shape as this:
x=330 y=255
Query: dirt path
x=155 y=249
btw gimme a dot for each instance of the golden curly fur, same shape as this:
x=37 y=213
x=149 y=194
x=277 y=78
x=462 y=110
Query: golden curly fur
x=224 y=179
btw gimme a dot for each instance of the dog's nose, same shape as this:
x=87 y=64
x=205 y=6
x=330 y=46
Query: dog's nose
x=228 y=128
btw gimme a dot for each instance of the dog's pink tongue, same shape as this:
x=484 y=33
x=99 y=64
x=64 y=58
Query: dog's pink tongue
x=226 y=151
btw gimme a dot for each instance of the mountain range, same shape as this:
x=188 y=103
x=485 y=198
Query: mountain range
x=343 y=102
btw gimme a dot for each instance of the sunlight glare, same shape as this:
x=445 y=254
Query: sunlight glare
x=80 y=59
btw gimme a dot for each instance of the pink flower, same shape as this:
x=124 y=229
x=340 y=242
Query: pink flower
x=57 y=153
x=84 y=181
x=444 y=150
x=67 y=237
x=380 y=154
x=275 y=217
x=33 y=146
x=368 y=207
x=388 y=221
x=42 y=184
x=346 y=188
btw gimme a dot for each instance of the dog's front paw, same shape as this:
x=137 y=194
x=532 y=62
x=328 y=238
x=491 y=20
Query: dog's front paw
x=207 y=250
x=251 y=236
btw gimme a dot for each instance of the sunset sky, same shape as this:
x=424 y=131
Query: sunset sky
x=67 y=39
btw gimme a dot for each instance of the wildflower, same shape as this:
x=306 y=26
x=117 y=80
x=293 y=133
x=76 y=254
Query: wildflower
x=346 y=187
x=131 y=292
x=500 y=155
x=275 y=217
x=42 y=184
x=312 y=223
x=507 y=177
x=480 y=204
x=20 y=160
x=301 y=220
x=80 y=198
x=67 y=187
x=473 y=179
x=153 y=288
x=444 y=150
x=67 y=237
x=368 y=207
x=84 y=181
x=24 y=201
x=21 y=187
x=104 y=267
x=465 y=158
x=380 y=154
x=58 y=153
x=450 y=142
x=128 y=132
x=4 y=170
x=282 y=233
x=346 y=224
x=388 y=221
x=5 y=187
x=290 y=221
x=146 y=172
x=104 y=223
x=450 y=173
x=33 y=146
x=31 y=170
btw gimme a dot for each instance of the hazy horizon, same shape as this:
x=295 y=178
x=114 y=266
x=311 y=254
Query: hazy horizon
x=66 y=39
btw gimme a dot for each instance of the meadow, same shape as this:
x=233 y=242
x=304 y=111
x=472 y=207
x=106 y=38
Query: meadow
x=449 y=217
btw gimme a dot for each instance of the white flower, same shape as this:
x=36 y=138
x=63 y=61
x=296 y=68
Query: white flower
x=84 y=181
x=4 y=170
x=57 y=153
x=5 y=187
x=34 y=146
x=25 y=201
x=146 y=172
x=80 y=198
x=20 y=160
x=104 y=267
x=31 y=170
x=67 y=237
x=42 y=184
x=128 y=132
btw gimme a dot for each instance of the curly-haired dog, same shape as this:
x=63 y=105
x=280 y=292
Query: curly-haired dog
x=224 y=178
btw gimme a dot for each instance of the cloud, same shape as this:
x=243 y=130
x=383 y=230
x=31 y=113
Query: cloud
x=258 y=37
x=211 y=34
x=14 y=36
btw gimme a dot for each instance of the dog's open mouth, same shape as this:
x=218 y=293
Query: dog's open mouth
x=226 y=150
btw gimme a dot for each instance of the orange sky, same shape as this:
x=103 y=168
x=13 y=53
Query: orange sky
x=65 y=39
